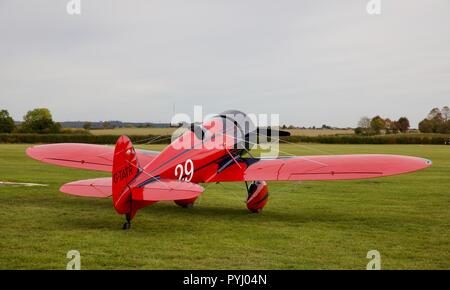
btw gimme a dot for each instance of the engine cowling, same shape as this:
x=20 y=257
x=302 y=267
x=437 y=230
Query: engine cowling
x=258 y=195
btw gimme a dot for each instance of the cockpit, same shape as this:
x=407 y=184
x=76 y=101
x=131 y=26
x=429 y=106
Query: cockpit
x=232 y=123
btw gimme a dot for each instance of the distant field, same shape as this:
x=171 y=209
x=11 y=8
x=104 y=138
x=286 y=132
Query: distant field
x=317 y=132
x=169 y=131
x=307 y=225
x=134 y=131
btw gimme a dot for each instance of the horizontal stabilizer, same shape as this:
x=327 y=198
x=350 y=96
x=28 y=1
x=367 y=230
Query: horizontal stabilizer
x=156 y=191
x=99 y=187
x=167 y=190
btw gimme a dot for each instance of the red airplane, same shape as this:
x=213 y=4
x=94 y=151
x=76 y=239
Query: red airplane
x=206 y=153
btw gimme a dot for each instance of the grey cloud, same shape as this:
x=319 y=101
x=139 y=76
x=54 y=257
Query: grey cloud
x=314 y=62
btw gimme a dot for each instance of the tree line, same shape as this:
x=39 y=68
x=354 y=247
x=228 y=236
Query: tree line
x=437 y=121
x=39 y=120
x=377 y=125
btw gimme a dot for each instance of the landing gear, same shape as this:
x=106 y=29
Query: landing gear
x=127 y=225
x=258 y=195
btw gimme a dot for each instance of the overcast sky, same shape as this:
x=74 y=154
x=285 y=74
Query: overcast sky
x=313 y=62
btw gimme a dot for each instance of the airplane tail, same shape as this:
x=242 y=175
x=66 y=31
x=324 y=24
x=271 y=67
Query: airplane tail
x=128 y=199
x=125 y=169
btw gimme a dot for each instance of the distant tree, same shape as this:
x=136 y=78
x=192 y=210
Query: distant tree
x=445 y=113
x=377 y=124
x=363 y=126
x=87 y=126
x=56 y=128
x=426 y=126
x=359 y=131
x=40 y=121
x=390 y=126
x=402 y=124
x=435 y=112
x=435 y=125
x=437 y=121
x=6 y=122
x=364 y=122
x=107 y=125
x=446 y=127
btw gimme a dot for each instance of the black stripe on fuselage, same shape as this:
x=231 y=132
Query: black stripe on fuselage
x=150 y=180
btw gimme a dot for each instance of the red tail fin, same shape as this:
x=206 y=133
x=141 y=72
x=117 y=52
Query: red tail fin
x=125 y=169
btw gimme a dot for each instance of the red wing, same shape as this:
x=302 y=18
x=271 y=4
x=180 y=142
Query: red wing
x=326 y=167
x=83 y=156
x=155 y=191
x=333 y=167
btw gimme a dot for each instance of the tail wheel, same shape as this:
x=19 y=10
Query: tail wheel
x=258 y=195
x=186 y=203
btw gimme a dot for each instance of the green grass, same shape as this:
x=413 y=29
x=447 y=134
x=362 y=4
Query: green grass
x=309 y=225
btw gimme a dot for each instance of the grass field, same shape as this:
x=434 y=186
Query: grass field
x=310 y=225
x=169 y=131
